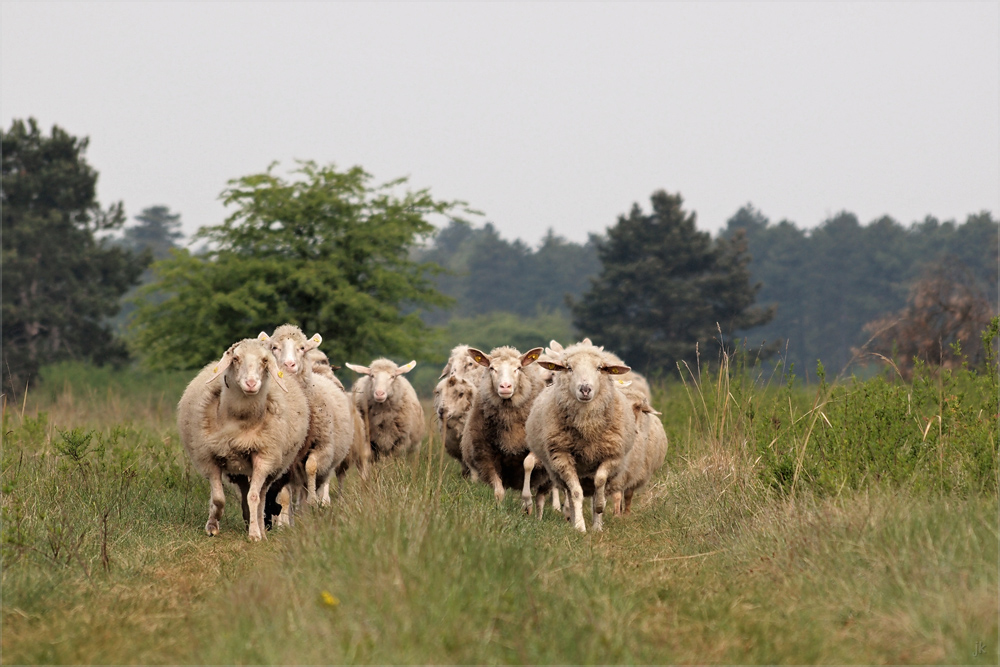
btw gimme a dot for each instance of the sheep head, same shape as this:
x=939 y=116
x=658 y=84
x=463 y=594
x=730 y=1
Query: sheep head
x=248 y=365
x=383 y=374
x=505 y=364
x=289 y=346
x=583 y=370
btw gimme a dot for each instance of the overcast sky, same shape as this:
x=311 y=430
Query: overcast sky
x=540 y=115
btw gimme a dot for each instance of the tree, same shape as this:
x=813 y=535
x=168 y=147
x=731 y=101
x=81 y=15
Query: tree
x=158 y=230
x=945 y=308
x=326 y=251
x=665 y=287
x=60 y=284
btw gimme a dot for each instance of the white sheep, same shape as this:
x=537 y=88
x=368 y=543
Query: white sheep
x=389 y=405
x=582 y=427
x=331 y=420
x=645 y=457
x=361 y=451
x=493 y=445
x=239 y=418
x=453 y=397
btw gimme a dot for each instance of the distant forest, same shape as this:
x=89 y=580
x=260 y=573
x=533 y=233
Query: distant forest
x=826 y=283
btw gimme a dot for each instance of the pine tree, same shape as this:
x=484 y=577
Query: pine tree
x=665 y=287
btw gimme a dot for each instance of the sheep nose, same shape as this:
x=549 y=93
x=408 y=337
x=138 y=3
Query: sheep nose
x=585 y=390
x=251 y=383
x=380 y=394
x=290 y=364
x=505 y=386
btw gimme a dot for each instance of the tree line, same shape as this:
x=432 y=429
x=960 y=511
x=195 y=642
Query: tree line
x=362 y=262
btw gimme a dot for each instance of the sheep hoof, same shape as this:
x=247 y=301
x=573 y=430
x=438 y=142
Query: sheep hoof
x=527 y=505
x=579 y=525
x=212 y=527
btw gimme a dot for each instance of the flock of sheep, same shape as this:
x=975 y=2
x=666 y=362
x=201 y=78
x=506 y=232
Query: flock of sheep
x=272 y=418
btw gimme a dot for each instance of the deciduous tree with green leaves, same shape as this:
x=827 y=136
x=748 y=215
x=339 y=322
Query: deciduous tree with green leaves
x=664 y=287
x=60 y=282
x=325 y=250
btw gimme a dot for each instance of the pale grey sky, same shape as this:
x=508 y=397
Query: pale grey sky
x=539 y=115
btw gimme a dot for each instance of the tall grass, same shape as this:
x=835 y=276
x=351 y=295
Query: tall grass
x=722 y=560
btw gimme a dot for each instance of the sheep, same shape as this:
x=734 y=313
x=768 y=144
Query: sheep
x=248 y=425
x=493 y=445
x=453 y=397
x=582 y=427
x=389 y=405
x=321 y=365
x=361 y=451
x=645 y=457
x=331 y=422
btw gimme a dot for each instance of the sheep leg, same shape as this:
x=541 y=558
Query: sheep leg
x=312 y=465
x=628 y=502
x=216 y=502
x=556 y=505
x=253 y=498
x=285 y=500
x=529 y=465
x=324 y=493
x=616 y=503
x=244 y=486
x=498 y=491
x=600 y=481
x=540 y=503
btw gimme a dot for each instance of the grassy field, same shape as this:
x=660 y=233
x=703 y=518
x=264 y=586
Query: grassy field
x=789 y=525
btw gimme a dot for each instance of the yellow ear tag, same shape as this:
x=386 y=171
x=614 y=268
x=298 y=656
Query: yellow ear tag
x=615 y=371
x=534 y=356
x=316 y=338
x=215 y=370
x=281 y=374
x=479 y=358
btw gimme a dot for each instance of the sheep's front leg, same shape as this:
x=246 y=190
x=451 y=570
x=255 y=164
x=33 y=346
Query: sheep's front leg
x=616 y=503
x=243 y=484
x=565 y=468
x=254 y=499
x=556 y=505
x=216 y=502
x=529 y=464
x=600 y=481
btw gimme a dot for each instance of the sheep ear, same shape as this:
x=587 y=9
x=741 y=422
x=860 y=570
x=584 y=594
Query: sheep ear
x=479 y=357
x=335 y=367
x=531 y=356
x=445 y=371
x=221 y=367
x=623 y=383
x=648 y=409
x=277 y=376
x=586 y=341
x=551 y=365
x=556 y=347
x=313 y=342
x=364 y=370
x=405 y=369
x=262 y=336
x=614 y=370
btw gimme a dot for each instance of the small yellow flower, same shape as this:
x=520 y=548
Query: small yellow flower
x=328 y=599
